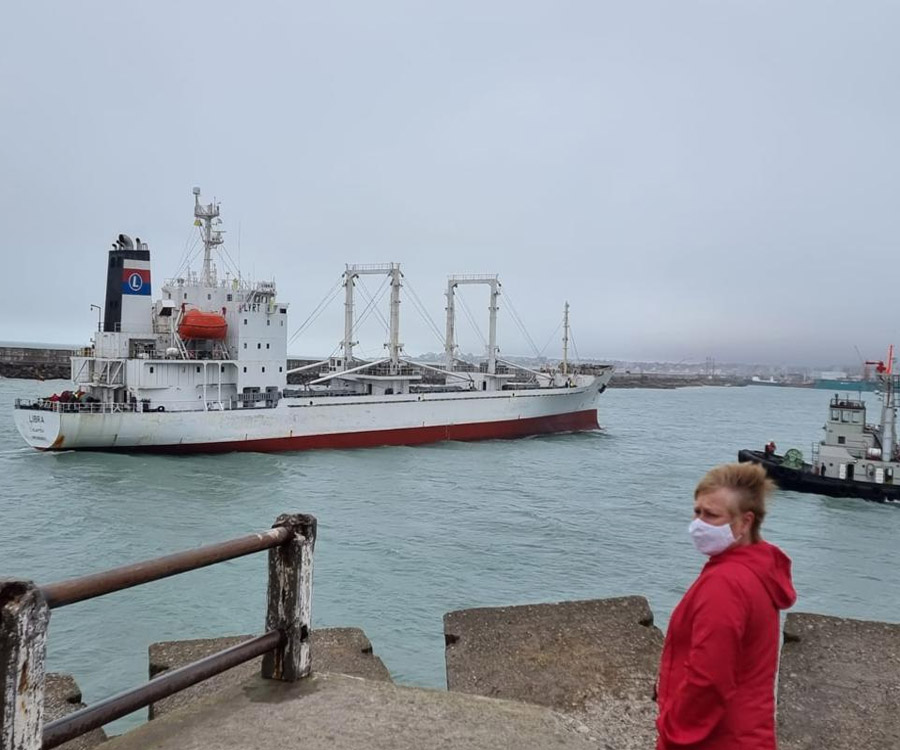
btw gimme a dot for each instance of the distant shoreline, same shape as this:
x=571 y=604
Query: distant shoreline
x=671 y=382
x=45 y=362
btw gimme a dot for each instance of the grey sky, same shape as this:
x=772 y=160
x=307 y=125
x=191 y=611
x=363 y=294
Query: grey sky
x=696 y=178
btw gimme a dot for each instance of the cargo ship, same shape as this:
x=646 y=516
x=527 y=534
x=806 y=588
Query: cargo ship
x=203 y=369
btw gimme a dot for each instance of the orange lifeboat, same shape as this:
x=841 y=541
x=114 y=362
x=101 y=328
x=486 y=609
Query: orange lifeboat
x=197 y=324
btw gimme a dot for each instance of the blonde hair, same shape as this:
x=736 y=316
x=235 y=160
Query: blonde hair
x=750 y=484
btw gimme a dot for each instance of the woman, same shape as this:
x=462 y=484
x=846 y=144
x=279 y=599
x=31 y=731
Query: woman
x=716 y=688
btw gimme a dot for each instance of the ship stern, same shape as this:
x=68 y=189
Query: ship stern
x=40 y=428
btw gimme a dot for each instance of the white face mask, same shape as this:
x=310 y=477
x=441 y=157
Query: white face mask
x=710 y=540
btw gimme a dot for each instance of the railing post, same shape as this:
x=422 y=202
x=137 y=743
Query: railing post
x=289 y=599
x=24 y=617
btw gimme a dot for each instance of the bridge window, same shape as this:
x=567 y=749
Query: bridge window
x=856 y=417
x=845 y=415
x=835 y=415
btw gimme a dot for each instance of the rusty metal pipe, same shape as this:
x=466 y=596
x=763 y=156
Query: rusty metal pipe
x=97 y=584
x=119 y=705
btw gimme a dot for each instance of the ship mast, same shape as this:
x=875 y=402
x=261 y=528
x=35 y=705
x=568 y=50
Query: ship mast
x=889 y=410
x=395 y=347
x=450 y=337
x=565 y=361
x=888 y=404
x=493 y=282
x=205 y=217
x=350 y=275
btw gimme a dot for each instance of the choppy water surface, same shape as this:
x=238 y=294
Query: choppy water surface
x=407 y=534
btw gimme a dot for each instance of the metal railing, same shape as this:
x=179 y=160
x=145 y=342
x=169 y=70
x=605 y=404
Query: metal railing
x=138 y=407
x=70 y=407
x=25 y=615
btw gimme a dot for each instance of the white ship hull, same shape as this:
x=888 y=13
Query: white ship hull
x=321 y=422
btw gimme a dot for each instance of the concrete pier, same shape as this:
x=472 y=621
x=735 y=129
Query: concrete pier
x=337 y=711
x=568 y=675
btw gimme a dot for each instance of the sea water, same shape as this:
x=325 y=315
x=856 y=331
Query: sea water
x=407 y=534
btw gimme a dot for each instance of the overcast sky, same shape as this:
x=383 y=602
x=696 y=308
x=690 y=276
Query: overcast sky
x=696 y=178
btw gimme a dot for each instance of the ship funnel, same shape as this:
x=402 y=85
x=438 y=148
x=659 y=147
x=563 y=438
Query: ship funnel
x=128 y=305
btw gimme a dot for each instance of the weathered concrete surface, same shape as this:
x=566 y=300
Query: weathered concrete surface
x=336 y=711
x=596 y=660
x=839 y=684
x=339 y=650
x=62 y=696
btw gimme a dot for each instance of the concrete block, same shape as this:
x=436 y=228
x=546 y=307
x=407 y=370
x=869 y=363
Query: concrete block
x=62 y=696
x=596 y=660
x=339 y=650
x=839 y=684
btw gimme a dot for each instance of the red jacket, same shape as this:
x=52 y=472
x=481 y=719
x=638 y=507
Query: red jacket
x=716 y=688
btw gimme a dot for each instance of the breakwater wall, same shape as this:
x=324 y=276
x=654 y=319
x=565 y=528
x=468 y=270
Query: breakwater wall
x=46 y=364
x=667 y=382
x=35 y=363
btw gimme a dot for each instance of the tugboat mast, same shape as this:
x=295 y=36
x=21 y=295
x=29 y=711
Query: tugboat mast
x=888 y=404
x=204 y=217
x=565 y=361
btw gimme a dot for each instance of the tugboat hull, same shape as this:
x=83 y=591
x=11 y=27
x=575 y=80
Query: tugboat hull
x=803 y=480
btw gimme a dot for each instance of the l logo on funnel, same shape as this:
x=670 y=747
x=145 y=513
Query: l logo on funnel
x=136 y=281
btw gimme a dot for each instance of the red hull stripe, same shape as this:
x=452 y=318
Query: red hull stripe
x=511 y=428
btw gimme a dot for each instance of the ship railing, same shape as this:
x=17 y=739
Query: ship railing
x=25 y=616
x=71 y=407
x=138 y=407
x=194 y=355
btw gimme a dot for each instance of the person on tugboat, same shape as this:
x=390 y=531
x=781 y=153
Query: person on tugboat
x=769 y=449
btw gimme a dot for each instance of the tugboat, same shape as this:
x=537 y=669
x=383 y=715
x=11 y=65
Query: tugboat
x=855 y=459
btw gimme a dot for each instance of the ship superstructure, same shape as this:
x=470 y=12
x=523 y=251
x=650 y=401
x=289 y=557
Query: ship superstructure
x=204 y=369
